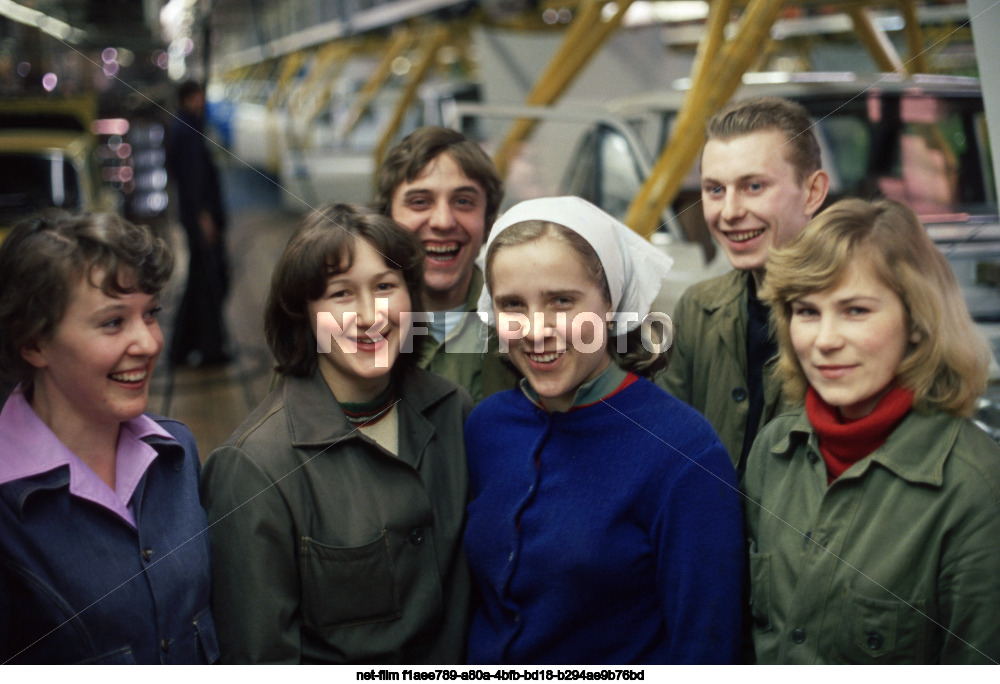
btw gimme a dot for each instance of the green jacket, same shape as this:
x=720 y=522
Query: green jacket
x=708 y=366
x=328 y=549
x=468 y=357
x=897 y=561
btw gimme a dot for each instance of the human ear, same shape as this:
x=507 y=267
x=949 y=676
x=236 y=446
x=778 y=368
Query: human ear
x=816 y=185
x=34 y=354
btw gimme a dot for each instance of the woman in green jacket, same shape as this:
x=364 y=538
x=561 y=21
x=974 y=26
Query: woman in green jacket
x=336 y=509
x=873 y=511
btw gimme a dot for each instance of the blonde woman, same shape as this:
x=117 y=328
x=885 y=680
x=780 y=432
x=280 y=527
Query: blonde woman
x=874 y=511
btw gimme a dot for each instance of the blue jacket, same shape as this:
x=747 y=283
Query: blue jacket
x=608 y=534
x=79 y=585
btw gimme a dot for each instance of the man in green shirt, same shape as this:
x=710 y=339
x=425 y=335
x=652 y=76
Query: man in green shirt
x=445 y=188
x=761 y=182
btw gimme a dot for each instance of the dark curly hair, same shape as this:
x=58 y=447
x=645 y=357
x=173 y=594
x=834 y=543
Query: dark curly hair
x=46 y=255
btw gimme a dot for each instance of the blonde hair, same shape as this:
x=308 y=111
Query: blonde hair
x=636 y=358
x=947 y=365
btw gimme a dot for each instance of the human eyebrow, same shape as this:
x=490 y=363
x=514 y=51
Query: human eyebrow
x=561 y=293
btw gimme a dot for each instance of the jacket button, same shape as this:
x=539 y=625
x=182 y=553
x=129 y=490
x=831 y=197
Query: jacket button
x=811 y=455
x=147 y=555
x=875 y=641
x=739 y=394
x=165 y=645
x=417 y=536
x=798 y=635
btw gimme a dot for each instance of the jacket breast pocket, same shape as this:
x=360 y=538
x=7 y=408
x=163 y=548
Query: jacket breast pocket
x=760 y=591
x=880 y=630
x=342 y=586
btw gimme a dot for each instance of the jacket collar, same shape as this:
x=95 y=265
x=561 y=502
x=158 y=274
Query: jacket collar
x=475 y=289
x=315 y=418
x=732 y=289
x=916 y=451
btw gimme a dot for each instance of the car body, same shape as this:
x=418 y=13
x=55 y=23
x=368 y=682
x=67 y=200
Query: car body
x=41 y=168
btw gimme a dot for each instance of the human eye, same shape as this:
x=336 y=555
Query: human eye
x=856 y=310
x=755 y=186
x=153 y=313
x=563 y=302
x=508 y=304
x=802 y=310
x=713 y=190
x=418 y=203
x=112 y=324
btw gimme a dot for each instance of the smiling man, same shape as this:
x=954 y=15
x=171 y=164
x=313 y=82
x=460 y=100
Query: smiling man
x=761 y=182
x=442 y=186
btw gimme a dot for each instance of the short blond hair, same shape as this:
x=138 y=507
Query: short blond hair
x=947 y=367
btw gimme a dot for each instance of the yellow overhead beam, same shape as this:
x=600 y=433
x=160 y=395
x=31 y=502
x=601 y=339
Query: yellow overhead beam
x=290 y=66
x=875 y=40
x=316 y=89
x=585 y=35
x=720 y=68
x=400 y=41
x=427 y=53
x=917 y=62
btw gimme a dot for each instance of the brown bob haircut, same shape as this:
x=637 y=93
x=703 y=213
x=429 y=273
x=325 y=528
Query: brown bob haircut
x=947 y=366
x=408 y=158
x=743 y=117
x=322 y=247
x=44 y=257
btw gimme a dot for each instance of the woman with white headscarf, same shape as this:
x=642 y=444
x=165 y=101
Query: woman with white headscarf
x=605 y=523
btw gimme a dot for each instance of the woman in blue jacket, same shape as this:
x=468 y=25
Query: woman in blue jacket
x=102 y=556
x=605 y=522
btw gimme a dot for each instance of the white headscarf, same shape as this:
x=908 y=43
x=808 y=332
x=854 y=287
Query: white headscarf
x=634 y=268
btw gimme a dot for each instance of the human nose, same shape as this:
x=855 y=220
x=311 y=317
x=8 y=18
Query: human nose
x=442 y=217
x=543 y=325
x=372 y=312
x=147 y=339
x=732 y=206
x=828 y=334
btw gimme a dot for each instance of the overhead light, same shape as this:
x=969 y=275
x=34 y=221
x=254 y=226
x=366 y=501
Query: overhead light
x=50 y=25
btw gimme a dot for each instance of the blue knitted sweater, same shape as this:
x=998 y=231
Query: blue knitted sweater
x=608 y=534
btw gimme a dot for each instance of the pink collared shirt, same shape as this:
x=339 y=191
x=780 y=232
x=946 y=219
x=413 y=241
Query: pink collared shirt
x=28 y=447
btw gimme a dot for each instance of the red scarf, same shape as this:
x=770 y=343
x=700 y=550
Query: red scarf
x=845 y=443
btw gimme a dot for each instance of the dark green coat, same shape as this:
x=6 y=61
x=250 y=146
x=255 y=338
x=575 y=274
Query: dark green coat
x=463 y=358
x=898 y=561
x=326 y=547
x=708 y=367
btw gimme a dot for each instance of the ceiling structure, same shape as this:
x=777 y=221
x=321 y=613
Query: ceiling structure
x=93 y=24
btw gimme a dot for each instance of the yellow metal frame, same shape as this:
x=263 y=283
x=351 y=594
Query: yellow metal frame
x=399 y=42
x=719 y=67
x=584 y=37
x=427 y=53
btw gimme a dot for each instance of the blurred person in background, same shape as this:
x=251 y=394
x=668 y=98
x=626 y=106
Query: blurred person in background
x=199 y=335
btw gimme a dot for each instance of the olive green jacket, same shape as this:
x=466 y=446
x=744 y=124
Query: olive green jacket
x=328 y=549
x=468 y=357
x=897 y=561
x=708 y=366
